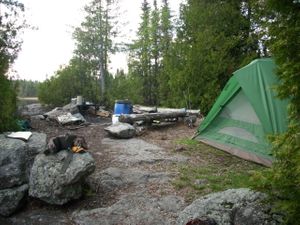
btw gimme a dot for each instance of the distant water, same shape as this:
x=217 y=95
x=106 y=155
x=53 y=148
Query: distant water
x=22 y=101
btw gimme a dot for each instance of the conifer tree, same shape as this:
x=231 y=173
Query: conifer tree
x=212 y=42
x=140 y=62
x=155 y=53
x=166 y=29
x=284 y=33
x=11 y=24
x=94 y=40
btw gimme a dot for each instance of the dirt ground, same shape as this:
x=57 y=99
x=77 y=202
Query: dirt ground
x=163 y=135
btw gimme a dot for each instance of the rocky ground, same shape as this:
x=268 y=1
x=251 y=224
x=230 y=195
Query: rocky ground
x=133 y=182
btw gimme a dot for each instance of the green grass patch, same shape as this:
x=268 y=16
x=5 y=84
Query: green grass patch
x=187 y=142
x=212 y=170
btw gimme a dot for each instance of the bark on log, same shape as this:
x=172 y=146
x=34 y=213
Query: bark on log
x=195 y=112
x=149 y=117
x=147 y=109
x=144 y=109
x=170 y=110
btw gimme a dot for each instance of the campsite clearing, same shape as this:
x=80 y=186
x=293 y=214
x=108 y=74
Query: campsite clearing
x=163 y=162
x=217 y=170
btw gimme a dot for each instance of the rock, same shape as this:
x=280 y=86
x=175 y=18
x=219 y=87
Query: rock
x=12 y=199
x=121 y=130
x=231 y=207
x=180 y=149
x=137 y=151
x=140 y=130
x=202 y=221
x=37 y=217
x=51 y=184
x=53 y=114
x=138 y=208
x=256 y=214
x=69 y=118
x=32 y=110
x=59 y=111
x=37 y=118
x=190 y=120
x=12 y=162
x=36 y=144
x=112 y=179
x=71 y=108
x=201 y=182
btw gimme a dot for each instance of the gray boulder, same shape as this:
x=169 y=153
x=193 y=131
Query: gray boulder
x=12 y=162
x=54 y=113
x=36 y=144
x=121 y=130
x=231 y=207
x=72 y=108
x=112 y=179
x=32 y=110
x=12 y=199
x=137 y=208
x=41 y=216
x=256 y=214
x=137 y=151
x=59 y=111
x=50 y=182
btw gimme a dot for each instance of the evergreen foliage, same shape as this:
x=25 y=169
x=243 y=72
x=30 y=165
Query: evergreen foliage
x=213 y=40
x=149 y=50
x=166 y=36
x=7 y=105
x=11 y=24
x=26 y=88
x=124 y=86
x=140 y=62
x=68 y=83
x=283 y=179
x=87 y=73
x=94 y=43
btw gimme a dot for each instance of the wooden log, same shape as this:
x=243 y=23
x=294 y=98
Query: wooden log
x=189 y=111
x=195 y=112
x=144 y=109
x=170 y=110
x=149 y=117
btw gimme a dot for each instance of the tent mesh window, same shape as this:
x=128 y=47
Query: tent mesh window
x=239 y=132
x=240 y=109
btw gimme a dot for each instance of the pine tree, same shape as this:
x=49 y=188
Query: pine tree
x=165 y=43
x=212 y=42
x=140 y=56
x=93 y=40
x=155 y=54
x=11 y=23
x=284 y=33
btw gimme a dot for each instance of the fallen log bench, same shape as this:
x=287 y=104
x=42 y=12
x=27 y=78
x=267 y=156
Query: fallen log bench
x=139 y=109
x=149 y=117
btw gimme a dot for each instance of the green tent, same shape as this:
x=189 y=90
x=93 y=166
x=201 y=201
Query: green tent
x=246 y=112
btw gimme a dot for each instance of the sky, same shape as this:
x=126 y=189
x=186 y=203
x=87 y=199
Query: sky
x=50 y=45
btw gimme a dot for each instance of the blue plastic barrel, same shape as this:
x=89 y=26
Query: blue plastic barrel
x=122 y=107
